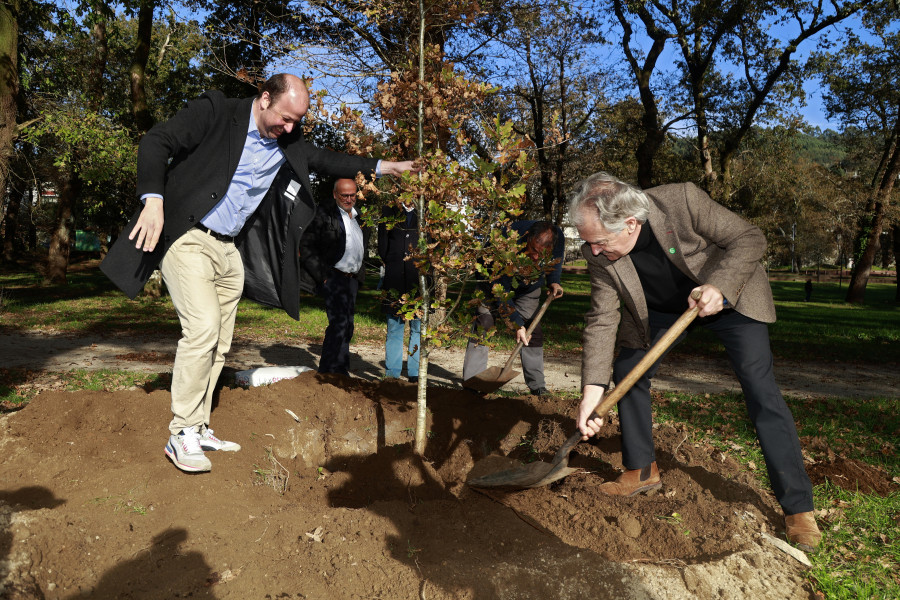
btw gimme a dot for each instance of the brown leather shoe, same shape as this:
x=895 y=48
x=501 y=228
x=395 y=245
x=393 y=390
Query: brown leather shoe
x=802 y=531
x=633 y=482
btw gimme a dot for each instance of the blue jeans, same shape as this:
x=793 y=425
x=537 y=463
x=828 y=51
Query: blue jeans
x=393 y=349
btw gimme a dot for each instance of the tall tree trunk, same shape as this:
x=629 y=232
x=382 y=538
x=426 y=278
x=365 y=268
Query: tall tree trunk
x=868 y=235
x=142 y=117
x=11 y=224
x=865 y=248
x=68 y=185
x=424 y=345
x=69 y=180
x=654 y=136
x=9 y=85
x=558 y=191
x=895 y=235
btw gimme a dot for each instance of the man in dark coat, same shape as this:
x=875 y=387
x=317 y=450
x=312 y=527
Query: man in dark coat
x=332 y=252
x=201 y=176
x=539 y=239
x=400 y=277
x=647 y=252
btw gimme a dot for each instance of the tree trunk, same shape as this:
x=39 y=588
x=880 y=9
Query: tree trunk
x=9 y=85
x=98 y=68
x=60 y=241
x=142 y=117
x=895 y=234
x=869 y=234
x=424 y=346
x=11 y=225
x=865 y=249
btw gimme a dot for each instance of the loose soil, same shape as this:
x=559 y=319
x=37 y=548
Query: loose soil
x=335 y=504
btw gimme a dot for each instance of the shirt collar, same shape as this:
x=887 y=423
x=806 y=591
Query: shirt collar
x=253 y=130
x=644 y=238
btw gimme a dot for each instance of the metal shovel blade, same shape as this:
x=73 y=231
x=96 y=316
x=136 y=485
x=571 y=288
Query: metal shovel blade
x=534 y=474
x=537 y=474
x=494 y=378
x=491 y=379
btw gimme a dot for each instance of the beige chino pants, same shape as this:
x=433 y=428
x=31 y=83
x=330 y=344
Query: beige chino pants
x=205 y=278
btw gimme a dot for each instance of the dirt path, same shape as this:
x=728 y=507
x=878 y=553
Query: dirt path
x=37 y=351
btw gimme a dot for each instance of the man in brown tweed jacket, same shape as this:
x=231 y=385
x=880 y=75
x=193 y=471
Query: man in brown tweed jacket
x=646 y=252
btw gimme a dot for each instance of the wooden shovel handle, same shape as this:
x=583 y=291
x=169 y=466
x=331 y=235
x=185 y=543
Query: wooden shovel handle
x=534 y=323
x=651 y=357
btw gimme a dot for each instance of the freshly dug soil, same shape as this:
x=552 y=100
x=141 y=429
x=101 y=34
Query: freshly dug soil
x=337 y=505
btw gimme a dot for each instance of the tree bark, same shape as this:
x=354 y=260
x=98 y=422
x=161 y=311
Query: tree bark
x=9 y=86
x=654 y=135
x=141 y=110
x=868 y=235
x=11 y=225
x=895 y=234
x=60 y=241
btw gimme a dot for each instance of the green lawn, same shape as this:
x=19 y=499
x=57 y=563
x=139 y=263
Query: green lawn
x=826 y=329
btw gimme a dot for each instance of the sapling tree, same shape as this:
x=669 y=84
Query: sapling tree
x=465 y=200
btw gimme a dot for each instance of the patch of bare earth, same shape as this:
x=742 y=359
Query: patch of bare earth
x=335 y=504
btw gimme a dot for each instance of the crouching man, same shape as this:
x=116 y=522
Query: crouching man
x=648 y=251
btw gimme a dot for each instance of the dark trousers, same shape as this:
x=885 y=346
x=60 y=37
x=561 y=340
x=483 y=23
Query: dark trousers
x=339 y=291
x=747 y=343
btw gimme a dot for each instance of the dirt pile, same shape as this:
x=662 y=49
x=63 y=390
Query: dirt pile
x=335 y=504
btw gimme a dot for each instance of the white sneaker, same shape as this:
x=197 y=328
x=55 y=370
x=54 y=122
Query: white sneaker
x=185 y=452
x=210 y=442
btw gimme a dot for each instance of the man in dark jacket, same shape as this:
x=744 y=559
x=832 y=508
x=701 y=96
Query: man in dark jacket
x=201 y=176
x=540 y=240
x=400 y=277
x=332 y=252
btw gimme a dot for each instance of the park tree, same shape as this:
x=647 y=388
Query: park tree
x=93 y=90
x=731 y=72
x=466 y=204
x=552 y=88
x=863 y=95
x=466 y=197
x=790 y=198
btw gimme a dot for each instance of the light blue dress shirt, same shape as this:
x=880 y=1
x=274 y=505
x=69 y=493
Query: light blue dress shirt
x=256 y=170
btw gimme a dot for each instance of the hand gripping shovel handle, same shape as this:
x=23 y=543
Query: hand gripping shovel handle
x=653 y=354
x=534 y=323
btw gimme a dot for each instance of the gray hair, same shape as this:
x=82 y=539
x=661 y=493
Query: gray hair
x=609 y=200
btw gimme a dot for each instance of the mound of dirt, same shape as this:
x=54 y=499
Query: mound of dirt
x=335 y=504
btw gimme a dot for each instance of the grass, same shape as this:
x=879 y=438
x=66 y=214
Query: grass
x=826 y=329
x=18 y=386
x=860 y=552
x=271 y=473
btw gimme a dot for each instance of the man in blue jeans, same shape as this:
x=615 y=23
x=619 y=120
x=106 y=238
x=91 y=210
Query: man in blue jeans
x=398 y=233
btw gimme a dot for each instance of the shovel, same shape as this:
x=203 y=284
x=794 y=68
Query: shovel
x=493 y=378
x=539 y=473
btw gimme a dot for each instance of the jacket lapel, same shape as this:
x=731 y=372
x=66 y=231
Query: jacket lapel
x=632 y=292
